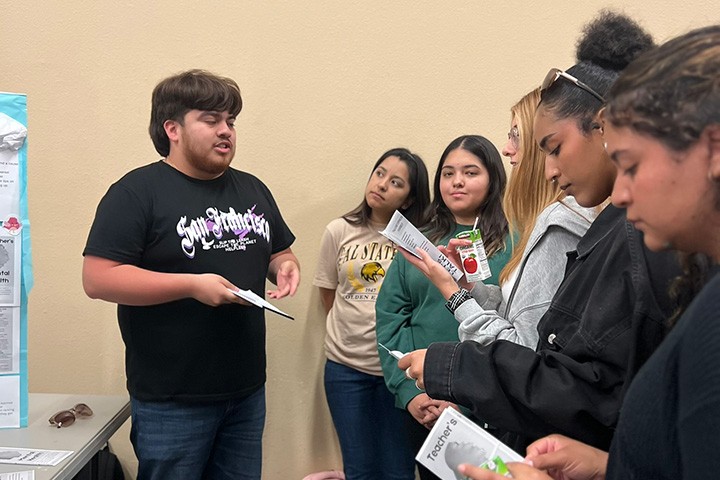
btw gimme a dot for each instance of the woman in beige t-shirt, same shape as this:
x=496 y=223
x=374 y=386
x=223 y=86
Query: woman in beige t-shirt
x=351 y=268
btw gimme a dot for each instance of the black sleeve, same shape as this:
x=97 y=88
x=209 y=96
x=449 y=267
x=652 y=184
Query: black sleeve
x=699 y=389
x=534 y=394
x=119 y=229
x=605 y=321
x=282 y=236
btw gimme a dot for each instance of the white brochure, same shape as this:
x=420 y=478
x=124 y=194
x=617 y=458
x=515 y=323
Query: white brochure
x=34 y=456
x=455 y=440
x=404 y=234
x=255 y=299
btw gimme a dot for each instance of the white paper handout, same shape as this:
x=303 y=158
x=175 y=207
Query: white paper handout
x=404 y=234
x=34 y=456
x=455 y=440
x=258 y=301
x=10 y=264
x=12 y=138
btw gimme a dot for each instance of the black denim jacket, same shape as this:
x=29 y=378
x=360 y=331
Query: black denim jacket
x=605 y=320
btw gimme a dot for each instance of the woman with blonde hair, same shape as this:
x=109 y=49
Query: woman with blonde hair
x=528 y=176
x=528 y=192
x=549 y=225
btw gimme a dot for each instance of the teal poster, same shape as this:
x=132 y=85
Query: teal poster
x=15 y=261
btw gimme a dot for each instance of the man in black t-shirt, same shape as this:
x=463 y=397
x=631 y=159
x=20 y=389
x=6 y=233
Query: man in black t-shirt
x=169 y=242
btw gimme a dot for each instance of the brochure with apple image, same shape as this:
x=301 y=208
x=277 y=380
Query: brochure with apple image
x=404 y=234
x=258 y=301
x=455 y=440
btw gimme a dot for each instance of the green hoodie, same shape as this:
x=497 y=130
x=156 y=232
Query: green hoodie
x=411 y=315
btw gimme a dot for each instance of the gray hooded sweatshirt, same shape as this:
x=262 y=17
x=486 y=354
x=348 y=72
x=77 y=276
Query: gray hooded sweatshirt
x=489 y=316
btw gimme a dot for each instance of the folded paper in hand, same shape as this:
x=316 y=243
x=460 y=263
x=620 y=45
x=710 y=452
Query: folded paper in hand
x=404 y=234
x=455 y=440
x=250 y=297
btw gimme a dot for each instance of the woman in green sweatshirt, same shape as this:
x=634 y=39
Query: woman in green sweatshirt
x=469 y=184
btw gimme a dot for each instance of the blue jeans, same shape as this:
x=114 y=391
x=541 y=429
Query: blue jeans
x=206 y=440
x=371 y=431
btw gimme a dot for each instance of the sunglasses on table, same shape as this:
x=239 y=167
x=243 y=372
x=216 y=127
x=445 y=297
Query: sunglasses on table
x=555 y=73
x=65 y=418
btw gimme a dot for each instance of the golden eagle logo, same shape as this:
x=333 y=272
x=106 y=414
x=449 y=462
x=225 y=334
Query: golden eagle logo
x=371 y=271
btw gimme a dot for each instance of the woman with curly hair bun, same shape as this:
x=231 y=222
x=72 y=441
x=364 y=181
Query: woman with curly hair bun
x=662 y=128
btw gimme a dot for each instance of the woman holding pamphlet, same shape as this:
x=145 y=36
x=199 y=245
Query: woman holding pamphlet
x=354 y=257
x=608 y=314
x=468 y=190
x=549 y=224
x=662 y=128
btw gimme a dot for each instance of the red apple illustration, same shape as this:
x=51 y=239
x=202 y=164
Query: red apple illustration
x=470 y=264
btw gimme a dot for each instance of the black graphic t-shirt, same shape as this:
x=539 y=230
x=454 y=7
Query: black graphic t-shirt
x=159 y=219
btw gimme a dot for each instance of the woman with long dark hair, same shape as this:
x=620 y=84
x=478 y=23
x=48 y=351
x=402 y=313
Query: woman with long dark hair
x=353 y=260
x=469 y=185
x=548 y=224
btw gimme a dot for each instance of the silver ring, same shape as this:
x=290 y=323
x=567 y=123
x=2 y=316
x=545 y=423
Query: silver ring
x=407 y=373
x=417 y=386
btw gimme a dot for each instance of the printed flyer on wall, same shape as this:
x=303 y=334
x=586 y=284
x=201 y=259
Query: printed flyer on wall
x=15 y=263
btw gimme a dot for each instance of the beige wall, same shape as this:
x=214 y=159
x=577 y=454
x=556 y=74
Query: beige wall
x=328 y=86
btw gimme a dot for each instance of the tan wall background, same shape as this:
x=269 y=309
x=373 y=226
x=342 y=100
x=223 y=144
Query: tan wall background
x=328 y=86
